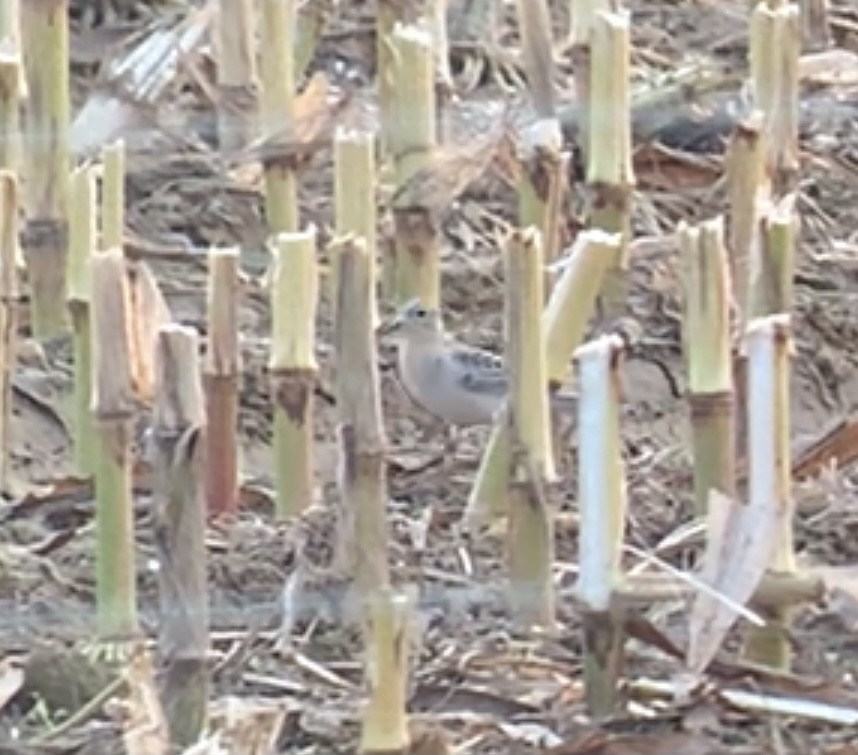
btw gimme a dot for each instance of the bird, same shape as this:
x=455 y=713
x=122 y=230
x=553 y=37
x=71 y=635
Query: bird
x=461 y=385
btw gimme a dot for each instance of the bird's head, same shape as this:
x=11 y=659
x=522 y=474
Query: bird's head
x=413 y=321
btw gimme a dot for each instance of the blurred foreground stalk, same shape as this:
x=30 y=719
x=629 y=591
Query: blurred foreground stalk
x=530 y=546
x=10 y=302
x=180 y=515
x=384 y=726
x=768 y=345
x=602 y=502
x=362 y=472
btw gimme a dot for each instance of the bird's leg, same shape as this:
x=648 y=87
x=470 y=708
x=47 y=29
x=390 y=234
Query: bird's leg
x=451 y=438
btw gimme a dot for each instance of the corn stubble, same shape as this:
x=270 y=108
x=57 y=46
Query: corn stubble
x=565 y=318
x=707 y=347
x=413 y=140
x=602 y=502
x=178 y=428
x=221 y=368
x=45 y=46
x=610 y=174
x=293 y=367
x=83 y=238
x=277 y=111
x=530 y=550
x=113 y=408
x=10 y=303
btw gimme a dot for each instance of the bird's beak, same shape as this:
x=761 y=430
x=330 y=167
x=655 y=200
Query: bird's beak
x=389 y=326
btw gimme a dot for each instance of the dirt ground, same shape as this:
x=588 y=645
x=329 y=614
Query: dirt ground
x=477 y=681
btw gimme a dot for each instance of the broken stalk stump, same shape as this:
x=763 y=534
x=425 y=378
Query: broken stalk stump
x=774 y=49
x=388 y=14
x=178 y=425
x=45 y=45
x=83 y=233
x=537 y=52
x=602 y=502
x=772 y=263
x=541 y=183
x=310 y=24
x=362 y=475
x=293 y=367
x=11 y=81
x=530 y=545
x=355 y=195
x=610 y=174
x=707 y=346
x=444 y=86
x=113 y=402
x=221 y=368
x=747 y=187
x=582 y=17
x=10 y=301
x=768 y=346
x=278 y=106
x=9 y=26
x=413 y=140
x=113 y=196
x=565 y=317
x=384 y=723
x=815 y=31
x=237 y=82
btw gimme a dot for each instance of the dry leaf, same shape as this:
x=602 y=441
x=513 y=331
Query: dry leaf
x=660 y=167
x=740 y=542
x=145 y=728
x=149 y=313
x=829 y=67
x=11 y=680
x=667 y=743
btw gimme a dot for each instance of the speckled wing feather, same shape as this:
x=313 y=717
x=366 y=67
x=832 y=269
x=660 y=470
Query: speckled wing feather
x=479 y=371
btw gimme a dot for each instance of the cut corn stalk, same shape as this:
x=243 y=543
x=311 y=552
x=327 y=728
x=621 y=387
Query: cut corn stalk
x=362 y=472
x=707 y=349
x=293 y=367
x=530 y=546
x=602 y=502
x=610 y=175
x=221 y=369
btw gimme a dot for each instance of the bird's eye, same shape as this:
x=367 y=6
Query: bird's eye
x=421 y=313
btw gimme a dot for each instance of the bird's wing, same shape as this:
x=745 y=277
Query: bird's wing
x=478 y=371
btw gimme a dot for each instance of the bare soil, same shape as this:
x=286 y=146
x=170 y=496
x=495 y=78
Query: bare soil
x=476 y=677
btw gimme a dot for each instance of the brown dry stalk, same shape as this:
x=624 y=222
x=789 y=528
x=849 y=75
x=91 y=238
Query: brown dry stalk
x=221 y=368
